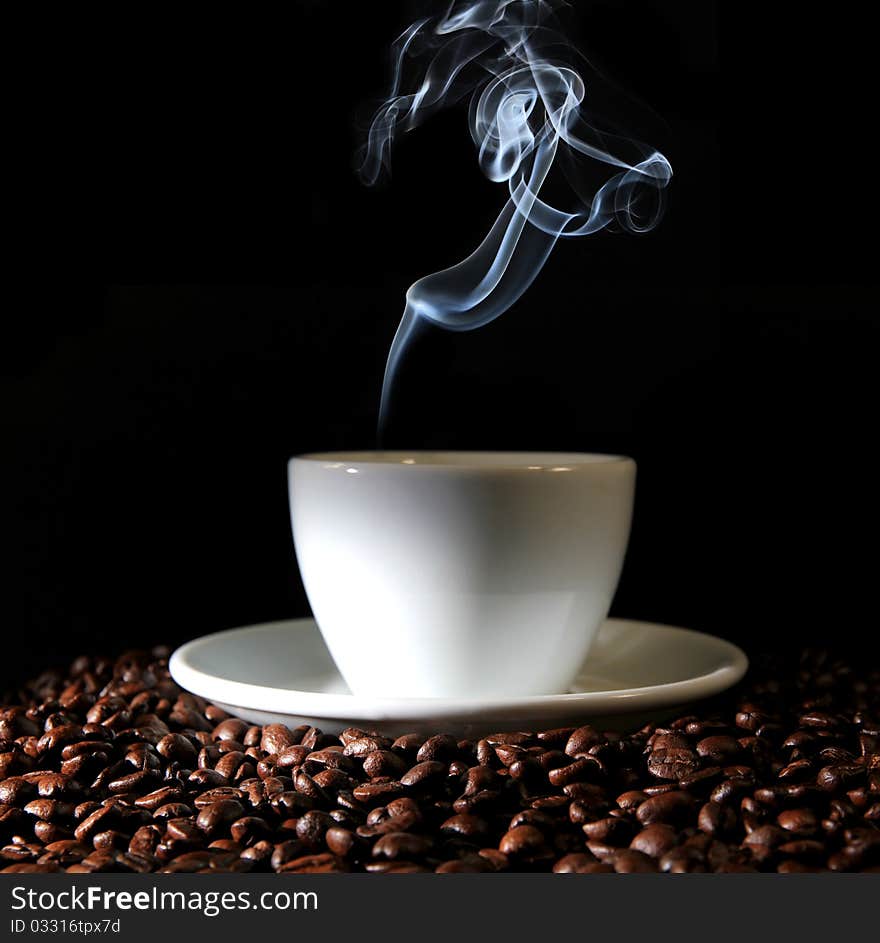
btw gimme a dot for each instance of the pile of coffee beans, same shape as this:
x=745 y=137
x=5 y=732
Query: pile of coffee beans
x=114 y=768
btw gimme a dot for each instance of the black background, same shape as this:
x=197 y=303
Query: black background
x=216 y=291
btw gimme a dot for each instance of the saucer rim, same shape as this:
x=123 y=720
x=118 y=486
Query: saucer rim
x=296 y=700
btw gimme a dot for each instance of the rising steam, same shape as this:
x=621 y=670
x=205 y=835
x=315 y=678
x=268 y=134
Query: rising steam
x=528 y=113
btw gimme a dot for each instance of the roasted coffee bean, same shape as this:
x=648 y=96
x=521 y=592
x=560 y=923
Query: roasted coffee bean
x=314 y=739
x=313 y=864
x=312 y=827
x=291 y=803
x=486 y=755
x=581 y=739
x=85 y=766
x=545 y=821
x=702 y=780
x=362 y=746
x=840 y=776
x=57 y=786
x=219 y=815
x=479 y=778
x=226 y=844
x=589 y=793
x=47 y=867
x=48 y=832
x=802 y=822
x=553 y=759
x=328 y=758
x=145 y=840
x=14 y=723
x=249 y=829
x=820 y=720
x=404 y=807
x=587 y=768
x=58 y=737
x=682 y=860
x=159 y=797
x=49 y=810
x=231 y=729
x=529 y=774
x=408 y=743
x=672 y=758
x=718 y=749
x=172 y=810
x=869 y=744
x=384 y=763
x=206 y=779
x=230 y=763
x=730 y=790
x=612 y=831
x=585 y=810
x=716 y=818
x=175 y=746
x=441 y=748
x=332 y=780
x=802 y=848
x=201 y=862
x=423 y=773
x=762 y=841
x=258 y=853
x=183 y=830
x=797 y=772
x=670 y=807
x=345 y=843
x=557 y=736
x=287 y=851
x=469 y=864
x=306 y=785
x=522 y=841
x=375 y=793
x=631 y=861
x=655 y=840
x=107 y=841
x=750 y=717
x=515 y=737
x=509 y=753
x=346 y=800
x=470 y=827
x=293 y=757
x=395 y=867
x=834 y=755
x=402 y=845
x=65 y=852
x=114 y=769
x=658 y=790
x=24 y=851
x=16 y=790
x=602 y=850
x=219 y=792
x=285 y=829
x=557 y=804
x=580 y=863
x=631 y=799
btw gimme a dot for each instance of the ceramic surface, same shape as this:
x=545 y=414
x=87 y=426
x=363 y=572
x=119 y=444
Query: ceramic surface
x=444 y=573
x=283 y=672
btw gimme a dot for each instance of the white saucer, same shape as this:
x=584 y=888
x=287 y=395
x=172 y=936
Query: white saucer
x=282 y=672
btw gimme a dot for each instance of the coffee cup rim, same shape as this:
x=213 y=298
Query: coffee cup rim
x=463 y=460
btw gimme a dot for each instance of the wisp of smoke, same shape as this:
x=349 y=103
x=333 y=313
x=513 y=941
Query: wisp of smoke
x=528 y=111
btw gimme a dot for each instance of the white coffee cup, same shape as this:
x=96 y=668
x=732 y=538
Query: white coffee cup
x=455 y=574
